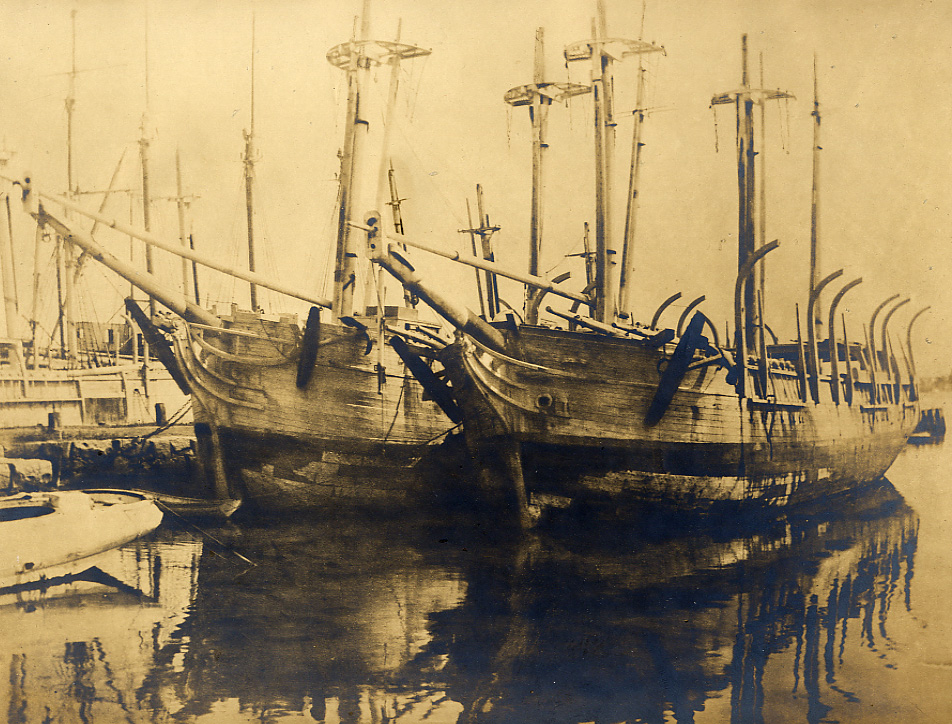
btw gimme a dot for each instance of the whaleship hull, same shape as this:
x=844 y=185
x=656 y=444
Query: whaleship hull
x=571 y=407
x=351 y=436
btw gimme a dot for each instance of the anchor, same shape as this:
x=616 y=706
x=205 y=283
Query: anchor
x=677 y=367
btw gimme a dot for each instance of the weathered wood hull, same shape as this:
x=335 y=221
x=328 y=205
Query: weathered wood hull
x=283 y=473
x=572 y=406
x=351 y=436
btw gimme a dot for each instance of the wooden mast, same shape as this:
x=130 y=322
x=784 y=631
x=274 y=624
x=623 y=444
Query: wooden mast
x=605 y=147
x=746 y=159
x=816 y=322
x=249 y=164
x=603 y=243
x=603 y=51
x=374 y=285
x=537 y=97
x=744 y=100
x=345 y=265
x=760 y=271
x=68 y=324
x=538 y=131
x=356 y=57
x=180 y=204
x=144 y=160
x=7 y=269
x=626 y=283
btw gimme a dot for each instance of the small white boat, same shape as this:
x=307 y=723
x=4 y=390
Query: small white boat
x=50 y=536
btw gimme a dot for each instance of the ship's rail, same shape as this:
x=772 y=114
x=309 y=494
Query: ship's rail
x=196 y=335
x=199 y=384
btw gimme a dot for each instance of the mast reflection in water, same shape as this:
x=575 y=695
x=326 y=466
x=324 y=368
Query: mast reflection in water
x=370 y=621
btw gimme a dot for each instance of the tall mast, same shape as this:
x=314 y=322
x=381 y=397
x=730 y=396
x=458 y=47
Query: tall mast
x=626 y=284
x=604 y=263
x=746 y=170
x=70 y=103
x=760 y=270
x=603 y=51
x=815 y=204
x=7 y=270
x=181 y=202
x=356 y=57
x=144 y=159
x=68 y=330
x=538 y=143
x=249 y=161
x=386 y=185
x=538 y=96
x=744 y=100
x=345 y=259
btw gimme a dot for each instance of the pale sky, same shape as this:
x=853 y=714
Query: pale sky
x=886 y=165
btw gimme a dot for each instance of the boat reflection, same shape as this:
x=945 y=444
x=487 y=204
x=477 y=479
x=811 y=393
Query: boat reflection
x=670 y=627
x=325 y=624
x=82 y=651
x=400 y=621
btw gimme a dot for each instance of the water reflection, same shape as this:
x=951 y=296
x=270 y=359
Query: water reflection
x=83 y=652
x=370 y=621
x=651 y=634
x=323 y=625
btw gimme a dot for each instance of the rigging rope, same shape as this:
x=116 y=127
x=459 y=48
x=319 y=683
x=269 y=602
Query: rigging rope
x=396 y=412
x=174 y=420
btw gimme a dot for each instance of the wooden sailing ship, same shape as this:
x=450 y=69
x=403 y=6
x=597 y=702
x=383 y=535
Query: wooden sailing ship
x=329 y=416
x=603 y=409
x=290 y=418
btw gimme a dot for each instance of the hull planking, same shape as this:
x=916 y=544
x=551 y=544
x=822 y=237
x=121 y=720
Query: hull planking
x=354 y=435
x=572 y=407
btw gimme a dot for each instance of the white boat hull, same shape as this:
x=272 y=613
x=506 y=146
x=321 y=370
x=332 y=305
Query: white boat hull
x=60 y=534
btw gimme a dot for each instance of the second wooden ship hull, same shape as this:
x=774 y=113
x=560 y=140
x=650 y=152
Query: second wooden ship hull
x=353 y=435
x=567 y=412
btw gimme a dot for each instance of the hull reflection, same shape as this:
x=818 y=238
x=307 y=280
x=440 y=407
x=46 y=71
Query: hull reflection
x=660 y=632
x=83 y=651
x=362 y=621
x=326 y=625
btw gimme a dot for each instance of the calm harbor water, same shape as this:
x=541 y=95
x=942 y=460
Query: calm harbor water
x=842 y=617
